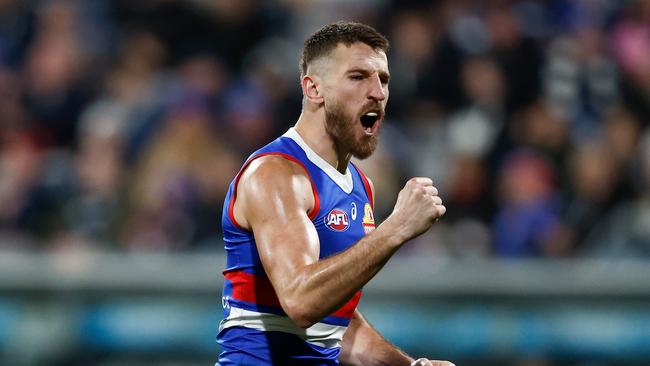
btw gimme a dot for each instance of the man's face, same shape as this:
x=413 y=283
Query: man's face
x=356 y=92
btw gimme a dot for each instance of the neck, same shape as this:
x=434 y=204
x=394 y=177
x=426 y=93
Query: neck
x=311 y=128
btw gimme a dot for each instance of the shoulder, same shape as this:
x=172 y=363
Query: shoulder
x=271 y=185
x=273 y=169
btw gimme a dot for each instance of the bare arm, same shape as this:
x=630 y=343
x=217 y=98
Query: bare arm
x=274 y=200
x=364 y=346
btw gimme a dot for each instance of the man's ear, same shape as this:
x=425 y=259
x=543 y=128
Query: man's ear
x=312 y=89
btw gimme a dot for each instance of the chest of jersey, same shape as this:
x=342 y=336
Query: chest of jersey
x=343 y=219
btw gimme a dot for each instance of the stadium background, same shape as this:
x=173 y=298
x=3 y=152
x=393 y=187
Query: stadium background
x=122 y=122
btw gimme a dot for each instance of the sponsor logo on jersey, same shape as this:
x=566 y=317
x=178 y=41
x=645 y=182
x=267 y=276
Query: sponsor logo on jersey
x=353 y=211
x=368 y=219
x=337 y=220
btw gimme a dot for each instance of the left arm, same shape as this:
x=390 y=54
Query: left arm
x=363 y=345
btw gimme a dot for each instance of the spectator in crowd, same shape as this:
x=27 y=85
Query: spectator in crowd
x=623 y=231
x=527 y=218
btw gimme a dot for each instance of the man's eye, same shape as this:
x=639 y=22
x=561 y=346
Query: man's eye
x=356 y=77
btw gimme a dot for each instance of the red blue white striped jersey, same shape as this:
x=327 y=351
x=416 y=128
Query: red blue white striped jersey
x=255 y=330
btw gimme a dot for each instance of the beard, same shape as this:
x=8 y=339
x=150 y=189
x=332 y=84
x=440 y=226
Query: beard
x=341 y=128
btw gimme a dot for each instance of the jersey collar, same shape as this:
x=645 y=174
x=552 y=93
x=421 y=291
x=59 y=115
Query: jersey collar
x=344 y=181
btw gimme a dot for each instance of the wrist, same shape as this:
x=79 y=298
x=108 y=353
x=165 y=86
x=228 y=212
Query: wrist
x=392 y=230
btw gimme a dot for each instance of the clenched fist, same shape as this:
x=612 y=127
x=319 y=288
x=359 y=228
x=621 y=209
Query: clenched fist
x=418 y=206
x=425 y=362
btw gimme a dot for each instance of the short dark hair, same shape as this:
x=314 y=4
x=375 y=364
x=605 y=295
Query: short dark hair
x=327 y=38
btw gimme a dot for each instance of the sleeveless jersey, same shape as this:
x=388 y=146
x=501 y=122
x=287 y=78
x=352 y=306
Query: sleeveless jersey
x=255 y=330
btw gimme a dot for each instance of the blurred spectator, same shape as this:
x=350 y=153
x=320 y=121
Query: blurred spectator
x=621 y=132
x=527 y=218
x=623 y=231
x=414 y=39
x=539 y=127
x=247 y=116
x=472 y=134
x=515 y=52
x=16 y=28
x=55 y=91
x=93 y=210
x=630 y=41
x=138 y=84
x=593 y=177
x=580 y=80
x=21 y=158
x=179 y=183
x=271 y=67
x=20 y=161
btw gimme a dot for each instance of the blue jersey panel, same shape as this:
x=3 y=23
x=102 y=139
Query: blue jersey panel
x=248 y=347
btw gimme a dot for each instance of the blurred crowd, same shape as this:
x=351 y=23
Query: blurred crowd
x=122 y=122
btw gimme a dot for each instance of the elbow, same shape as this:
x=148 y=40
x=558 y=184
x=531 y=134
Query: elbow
x=301 y=314
x=304 y=321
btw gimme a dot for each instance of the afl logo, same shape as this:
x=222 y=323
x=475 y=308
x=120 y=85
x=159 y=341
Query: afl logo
x=337 y=220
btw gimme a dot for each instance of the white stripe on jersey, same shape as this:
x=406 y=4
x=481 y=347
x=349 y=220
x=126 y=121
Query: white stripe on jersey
x=319 y=334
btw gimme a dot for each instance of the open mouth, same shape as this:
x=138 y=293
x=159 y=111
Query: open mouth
x=369 y=120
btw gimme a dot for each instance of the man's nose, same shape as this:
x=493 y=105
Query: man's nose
x=377 y=90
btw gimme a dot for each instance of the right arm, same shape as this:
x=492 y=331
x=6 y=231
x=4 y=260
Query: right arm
x=274 y=199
